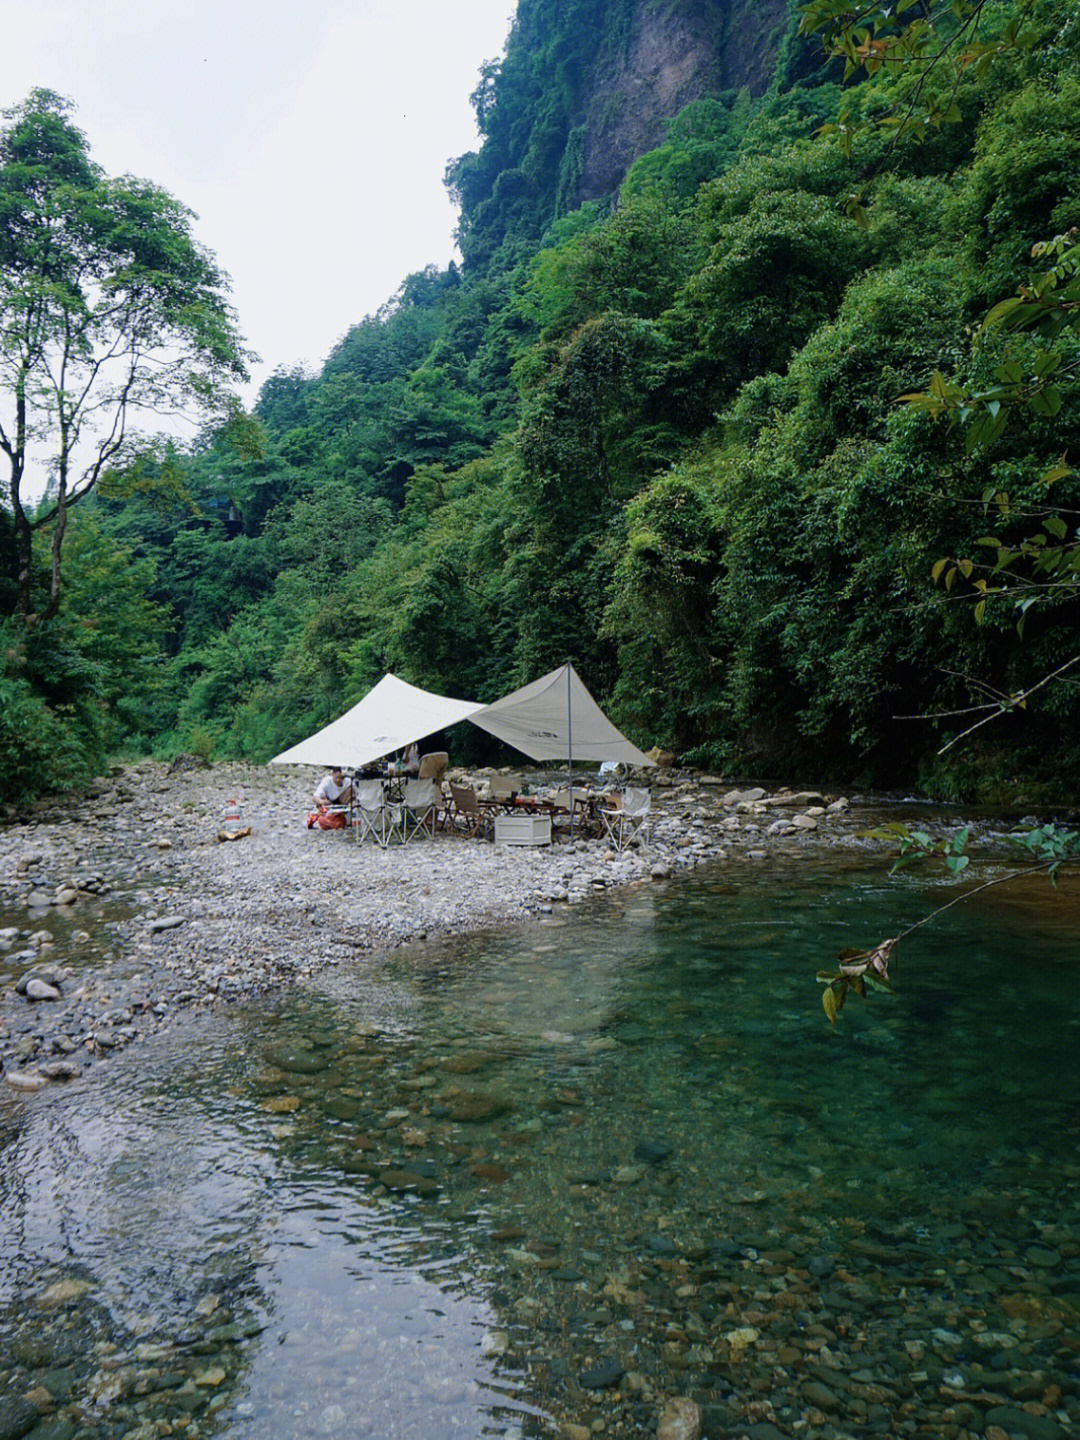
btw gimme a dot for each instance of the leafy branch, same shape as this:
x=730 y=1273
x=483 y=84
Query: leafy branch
x=1048 y=308
x=930 y=54
x=863 y=972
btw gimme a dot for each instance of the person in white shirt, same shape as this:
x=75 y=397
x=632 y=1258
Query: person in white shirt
x=333 y=790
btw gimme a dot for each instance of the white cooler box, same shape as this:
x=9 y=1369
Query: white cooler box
x=523 y=829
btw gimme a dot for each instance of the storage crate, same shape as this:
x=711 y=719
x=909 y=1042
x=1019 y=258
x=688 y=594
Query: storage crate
x=523 y=829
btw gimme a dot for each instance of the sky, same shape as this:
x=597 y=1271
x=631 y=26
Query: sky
x=309 y=136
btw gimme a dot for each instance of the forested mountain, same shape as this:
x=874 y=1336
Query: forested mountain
x=651 y=424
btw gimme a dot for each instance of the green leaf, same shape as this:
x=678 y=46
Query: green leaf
x=1001 y=312
x=1058 y=472
x=1048 y=363
x=833 y=1000
x=1046 y=402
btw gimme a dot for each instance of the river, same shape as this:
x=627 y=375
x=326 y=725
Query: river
x=559 y=1174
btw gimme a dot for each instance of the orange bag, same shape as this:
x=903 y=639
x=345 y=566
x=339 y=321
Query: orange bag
x=325 y=820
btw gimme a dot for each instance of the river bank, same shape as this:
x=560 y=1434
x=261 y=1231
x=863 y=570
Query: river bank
x=121 y=909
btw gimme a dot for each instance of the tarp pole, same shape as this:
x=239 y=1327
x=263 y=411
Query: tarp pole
x=570 y=746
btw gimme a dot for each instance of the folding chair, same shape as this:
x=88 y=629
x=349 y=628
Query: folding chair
x=571 y=809
x=433 y=766
x=420 y=809
x=627 y=821
x=371 y=817
x=465 y=812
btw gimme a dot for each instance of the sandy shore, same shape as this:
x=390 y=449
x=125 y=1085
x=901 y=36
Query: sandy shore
x=122 y=910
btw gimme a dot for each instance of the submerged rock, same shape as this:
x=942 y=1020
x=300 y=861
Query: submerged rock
x=680 y=1419
x=475 y=1108
x=17 y=1417
x=603 y=1376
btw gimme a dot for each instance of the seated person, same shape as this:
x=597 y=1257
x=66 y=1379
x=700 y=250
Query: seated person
x=333 y=793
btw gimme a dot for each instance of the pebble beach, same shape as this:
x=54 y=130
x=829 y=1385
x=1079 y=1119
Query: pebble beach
x=123 y=910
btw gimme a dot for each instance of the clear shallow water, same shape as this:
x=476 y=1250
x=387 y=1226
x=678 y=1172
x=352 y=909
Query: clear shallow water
x=480 y=1187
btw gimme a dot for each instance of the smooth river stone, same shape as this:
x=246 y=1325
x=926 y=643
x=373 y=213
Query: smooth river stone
x=602 y=1376
x=339 y=1109
x=17 y=1418
x=679 y=1420
x=468 y=1064
x=40 y=990
x=473 y=1108
x=1015 y=1421
x=407 y=1180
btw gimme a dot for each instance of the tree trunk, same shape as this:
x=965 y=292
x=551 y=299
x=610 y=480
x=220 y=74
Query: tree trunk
x=24 y=550
x=57 y=544
x=24 y=534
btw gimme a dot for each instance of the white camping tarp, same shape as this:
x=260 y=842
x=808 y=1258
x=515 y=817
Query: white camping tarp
x=555 y=718
x=389 y=717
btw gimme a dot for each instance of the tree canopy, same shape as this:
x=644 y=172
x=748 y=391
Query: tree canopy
x=108 y=308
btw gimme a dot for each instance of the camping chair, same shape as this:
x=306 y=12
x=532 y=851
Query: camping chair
x=626 y=820
x=572 y=807
x=465 y=812
x=371 y=811
x=433 y=766
x=420 y=809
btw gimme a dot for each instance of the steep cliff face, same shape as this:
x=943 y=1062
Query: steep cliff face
x=587 y=86
x=673 y=56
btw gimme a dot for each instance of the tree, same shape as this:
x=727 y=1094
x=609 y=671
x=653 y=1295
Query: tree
x=1027 y=343
x=108 y=307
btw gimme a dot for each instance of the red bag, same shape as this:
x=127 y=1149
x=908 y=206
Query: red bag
x=326 y=820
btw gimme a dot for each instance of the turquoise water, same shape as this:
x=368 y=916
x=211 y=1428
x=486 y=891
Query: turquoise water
x=564 y=1172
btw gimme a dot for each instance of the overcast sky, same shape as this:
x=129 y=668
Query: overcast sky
x=309 y=138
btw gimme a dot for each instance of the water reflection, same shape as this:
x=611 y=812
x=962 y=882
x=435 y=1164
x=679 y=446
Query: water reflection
x=566 y=1171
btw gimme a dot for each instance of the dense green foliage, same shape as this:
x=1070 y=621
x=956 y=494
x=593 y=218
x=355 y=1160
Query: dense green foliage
x=661 y=438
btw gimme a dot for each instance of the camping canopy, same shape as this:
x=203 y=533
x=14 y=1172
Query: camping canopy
x=555 y=718
x=388 y=718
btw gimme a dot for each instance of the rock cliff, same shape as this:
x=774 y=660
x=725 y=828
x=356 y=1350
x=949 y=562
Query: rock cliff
x=672 y=56
x=587 y=86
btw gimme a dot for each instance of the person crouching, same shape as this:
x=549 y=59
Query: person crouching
x=332 y=796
